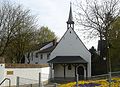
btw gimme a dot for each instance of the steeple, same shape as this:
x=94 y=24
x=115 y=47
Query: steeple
x=70 y=22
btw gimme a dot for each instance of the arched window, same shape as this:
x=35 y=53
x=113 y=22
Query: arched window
x=69 y=67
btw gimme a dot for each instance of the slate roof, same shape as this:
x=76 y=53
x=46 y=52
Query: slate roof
x=49 y=49
x=38 y=46
x=67 y=59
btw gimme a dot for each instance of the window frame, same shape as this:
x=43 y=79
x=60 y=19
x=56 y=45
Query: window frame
x=41 y=56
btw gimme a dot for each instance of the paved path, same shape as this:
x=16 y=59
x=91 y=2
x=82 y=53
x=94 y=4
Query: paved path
x=51 y=85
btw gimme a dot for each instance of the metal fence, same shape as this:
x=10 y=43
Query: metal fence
x=106 y=76
x=112 y=79
x=107 y=79
x=27 y=82
x=5 y=80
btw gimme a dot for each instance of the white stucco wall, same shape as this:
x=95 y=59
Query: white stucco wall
x=2 y=68
x=59 y=71
x=34 y=60
x=29 y=73
x=45 y=73
x=38 y=59
x=70 y=73
x=43 y=60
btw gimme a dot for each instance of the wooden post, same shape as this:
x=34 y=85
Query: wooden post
x=30 y=85
x=64 y=71
x=86 y=72
x=75 y=70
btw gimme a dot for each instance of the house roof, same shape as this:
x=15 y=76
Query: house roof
x=39 y=46
x=49 y=49
x=67 y=59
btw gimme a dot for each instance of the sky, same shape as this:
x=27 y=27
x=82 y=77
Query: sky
x=53 y=14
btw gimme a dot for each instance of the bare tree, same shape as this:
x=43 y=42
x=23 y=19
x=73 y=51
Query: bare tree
x=13 y=21
x=97 y=17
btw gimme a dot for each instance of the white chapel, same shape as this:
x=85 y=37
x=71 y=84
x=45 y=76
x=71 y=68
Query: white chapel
x=70 y=56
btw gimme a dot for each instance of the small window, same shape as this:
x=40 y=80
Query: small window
x=69 y=67
x=28 y=55
x=36 y=55
x=32 y=55
x=48 y=55
x=41 y=56
x=36 y=62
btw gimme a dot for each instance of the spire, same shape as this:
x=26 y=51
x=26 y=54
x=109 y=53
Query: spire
x=70 y=19
x=70 y=22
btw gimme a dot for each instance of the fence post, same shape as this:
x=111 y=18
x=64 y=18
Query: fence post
x=55 y=84
x=77 y=77
x=30 y=85
x=17 y=84
x=110 y=77
x=40 y=80
x=9 y=82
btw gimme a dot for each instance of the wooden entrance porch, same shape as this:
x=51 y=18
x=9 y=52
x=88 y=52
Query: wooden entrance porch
x=67 y=67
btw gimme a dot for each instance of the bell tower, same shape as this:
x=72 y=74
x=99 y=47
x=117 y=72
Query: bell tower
x=70 y=22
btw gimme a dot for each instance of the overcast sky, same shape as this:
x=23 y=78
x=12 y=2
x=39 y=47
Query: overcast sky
x=54 y=14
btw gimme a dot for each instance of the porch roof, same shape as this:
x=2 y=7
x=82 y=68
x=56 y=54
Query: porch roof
x=67 y=59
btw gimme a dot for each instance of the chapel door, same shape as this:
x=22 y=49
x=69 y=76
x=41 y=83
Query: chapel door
x=80 y=71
